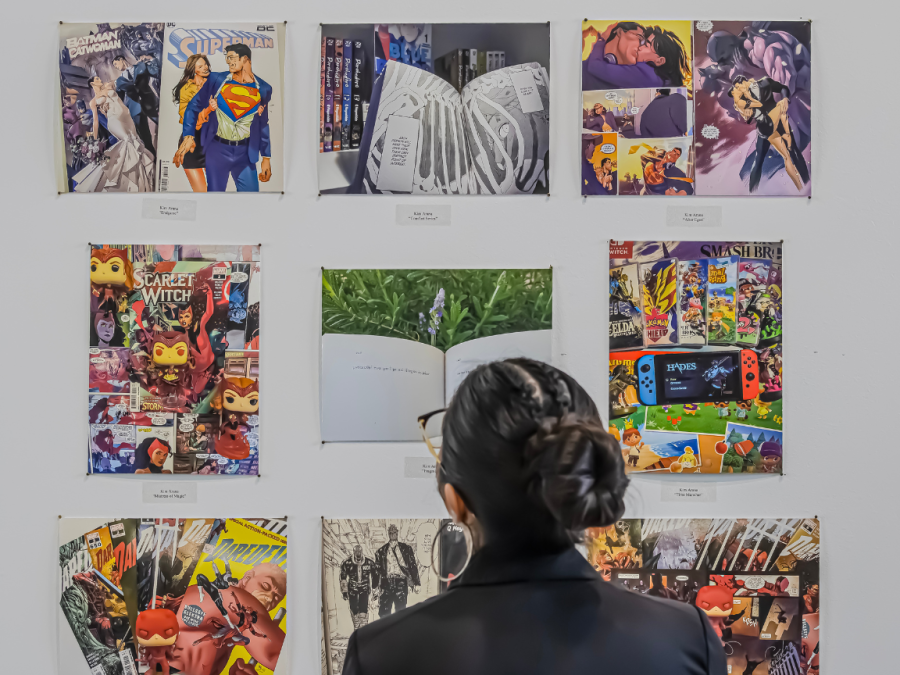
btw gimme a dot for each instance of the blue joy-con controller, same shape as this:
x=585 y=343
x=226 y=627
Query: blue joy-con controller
x=646 y=373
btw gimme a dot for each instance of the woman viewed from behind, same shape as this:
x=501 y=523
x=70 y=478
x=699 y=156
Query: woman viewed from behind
x=526 y=465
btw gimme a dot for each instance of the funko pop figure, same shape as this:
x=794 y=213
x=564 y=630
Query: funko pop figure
x=236 y=399
x=112 y=276
x=717 y=603
x=156 y=631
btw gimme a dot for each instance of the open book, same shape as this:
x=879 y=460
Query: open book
x=374 y=388
x=423 y=137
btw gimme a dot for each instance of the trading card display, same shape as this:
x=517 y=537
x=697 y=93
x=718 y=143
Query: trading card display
x=174 y=359
x=696 y=301
x=221 y=583
x=757 y=580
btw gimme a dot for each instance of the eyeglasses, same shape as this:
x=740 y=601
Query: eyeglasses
x=431 y=425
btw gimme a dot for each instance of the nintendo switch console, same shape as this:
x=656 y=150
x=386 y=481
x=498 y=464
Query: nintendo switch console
x=672 y=379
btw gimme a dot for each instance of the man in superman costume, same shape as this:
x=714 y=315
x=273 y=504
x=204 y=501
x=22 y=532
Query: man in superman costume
x=235 y=131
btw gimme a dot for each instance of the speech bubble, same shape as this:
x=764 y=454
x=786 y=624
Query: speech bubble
x=607 y=148
x=186 y=427
x=239 y=277
x=253 y=442
x=635 y=110
x=222 y=461
x=158 y=420
x=202 y=455
x=253 y=420
x=610 y=95
x=754 y=583
x=425 y=537
x=681 y=577
x=97 y=360
x=93 y=350
x=253 y=436
x=214 y=455
x=709 y=131
x=121 y=407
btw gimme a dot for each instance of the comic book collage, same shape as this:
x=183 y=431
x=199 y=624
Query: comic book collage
x=757 y=580
x=173 y=359
x=206 y=595
x=696 y=108
x=711 y=300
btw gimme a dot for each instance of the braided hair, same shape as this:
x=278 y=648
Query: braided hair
x=524 y=446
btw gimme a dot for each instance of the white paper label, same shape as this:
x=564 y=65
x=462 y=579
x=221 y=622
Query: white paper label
x=527 y=91
x=419 y=467
x=688 y=492
x=169 y=209
x=705 y=216
x=412 y=214
x=398 y=158
x=169 y=493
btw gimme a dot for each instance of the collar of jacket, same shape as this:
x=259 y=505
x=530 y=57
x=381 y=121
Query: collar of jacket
x=494 y=565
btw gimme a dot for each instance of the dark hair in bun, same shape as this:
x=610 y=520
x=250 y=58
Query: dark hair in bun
x=524 y=445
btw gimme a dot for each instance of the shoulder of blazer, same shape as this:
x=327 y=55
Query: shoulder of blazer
x=265 y=89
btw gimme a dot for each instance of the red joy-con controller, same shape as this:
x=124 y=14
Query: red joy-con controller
x=749 y=374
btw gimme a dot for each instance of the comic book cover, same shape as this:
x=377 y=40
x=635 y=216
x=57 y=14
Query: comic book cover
x=238 y=67
x=659 y=292
x=721 y=300
x=123 y=534
x=233 y=610
x=753 y=283
x=109 y=75
x=83 y=600
x=175 y=333
x=692 y=278
x=625 y=320
x=156 y=558
x=753 y=109
x=195 y=532
x=409 y=43
x=767 y=619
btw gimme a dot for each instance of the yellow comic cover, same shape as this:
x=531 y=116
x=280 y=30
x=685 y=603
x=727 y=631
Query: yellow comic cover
x=99 y=543
x=233 y=611
x=803 y=545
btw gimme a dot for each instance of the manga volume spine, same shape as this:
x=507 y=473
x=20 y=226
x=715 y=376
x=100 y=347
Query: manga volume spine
x=322 y=99
x=338 y=93
x=329 y=94
x=347 y=93
x=356 y=123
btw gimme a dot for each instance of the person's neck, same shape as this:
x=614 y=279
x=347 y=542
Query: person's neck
x=244 y=76
x=199 y=80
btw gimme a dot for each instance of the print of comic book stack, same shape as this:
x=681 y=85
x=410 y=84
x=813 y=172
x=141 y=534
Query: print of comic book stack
x=689 y=297
x=173 y=360
x=757 y=579
x=219 y=582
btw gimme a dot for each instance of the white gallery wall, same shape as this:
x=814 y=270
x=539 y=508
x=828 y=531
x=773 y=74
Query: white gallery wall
x=840 y=249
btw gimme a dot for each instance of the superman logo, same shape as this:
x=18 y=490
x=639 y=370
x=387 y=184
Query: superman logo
x=240 y=99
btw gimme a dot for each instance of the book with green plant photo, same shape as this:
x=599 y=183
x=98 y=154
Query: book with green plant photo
x=397 y=343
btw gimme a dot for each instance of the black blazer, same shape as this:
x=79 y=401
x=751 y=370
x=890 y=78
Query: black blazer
x=544 y=615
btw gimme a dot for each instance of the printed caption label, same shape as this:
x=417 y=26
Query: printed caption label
x=169 y=209
x=419 y=467
x=169 y=493
x=412 y=214
x=688 y=492
x=706 y=216
x=398 y=159
x=527 y=91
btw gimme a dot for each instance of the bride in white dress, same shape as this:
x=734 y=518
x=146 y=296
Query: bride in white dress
x=127 y=166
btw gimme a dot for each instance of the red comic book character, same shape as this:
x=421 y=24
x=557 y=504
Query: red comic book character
x=236 y=399
x=112 y=276
x=156 y=631
x=717 y=602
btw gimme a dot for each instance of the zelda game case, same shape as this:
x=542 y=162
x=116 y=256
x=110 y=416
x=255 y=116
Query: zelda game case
x=625 y=317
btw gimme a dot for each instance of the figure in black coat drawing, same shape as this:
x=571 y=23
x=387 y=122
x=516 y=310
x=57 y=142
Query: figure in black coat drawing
x=397 y=572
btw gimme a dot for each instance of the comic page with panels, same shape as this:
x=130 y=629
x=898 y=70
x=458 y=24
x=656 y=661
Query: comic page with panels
x=756 y=579
x=173 y=359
